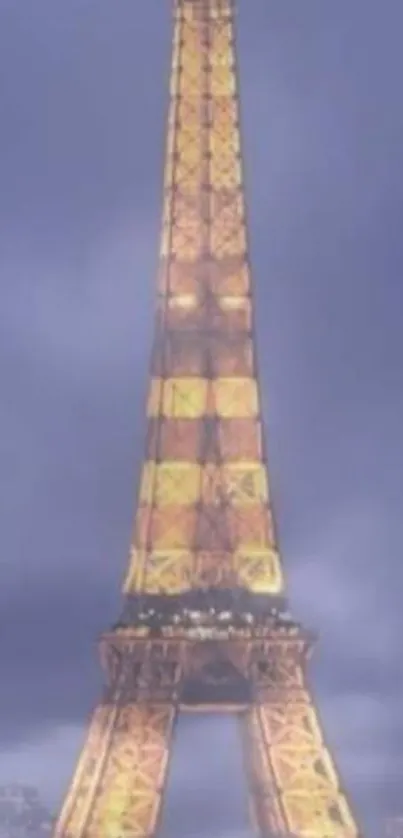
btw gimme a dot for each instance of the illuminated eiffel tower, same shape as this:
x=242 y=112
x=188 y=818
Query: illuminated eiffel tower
x=204 y=624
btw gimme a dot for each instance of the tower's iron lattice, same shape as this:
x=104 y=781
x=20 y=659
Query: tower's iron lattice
x=204 y=624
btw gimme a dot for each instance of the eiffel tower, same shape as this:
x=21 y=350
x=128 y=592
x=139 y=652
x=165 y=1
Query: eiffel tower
x=204 y=623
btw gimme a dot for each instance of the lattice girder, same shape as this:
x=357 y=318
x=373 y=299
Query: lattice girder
x=116 y=790
x=269 y=660
x=297 y=789
x=204 y=499
x=204 y=520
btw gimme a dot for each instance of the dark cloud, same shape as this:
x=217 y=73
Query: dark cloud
x=82 y=109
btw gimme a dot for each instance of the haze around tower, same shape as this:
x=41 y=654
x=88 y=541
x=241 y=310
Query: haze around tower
x=80 y=207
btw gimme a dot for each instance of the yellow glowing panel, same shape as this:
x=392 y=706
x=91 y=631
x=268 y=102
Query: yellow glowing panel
x=148 y=482
x=154 y=405
x=236 y=397
x=177 y=483
x=246 y=482
x=187 y=123
x=187 y=170
x=284 y=722
x=165 y=242
x=304 y=774
x=142 y=527
x=134 y=576
x=187 y=138
x=183 y=302
x=259 y=571
x=192 y=78
x=185 y=398
x=222 y=38
x=168 y=176
x=225 y=173
x=168 y=572
x=222 y=82
x=313 y=815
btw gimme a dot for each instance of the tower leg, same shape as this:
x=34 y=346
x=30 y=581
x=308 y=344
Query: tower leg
x=265 y=807
x=117 y=788
x=294 y=787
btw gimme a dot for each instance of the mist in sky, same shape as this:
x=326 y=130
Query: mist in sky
x=83 y=96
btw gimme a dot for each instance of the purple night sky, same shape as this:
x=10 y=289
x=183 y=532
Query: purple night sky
x=83 y=94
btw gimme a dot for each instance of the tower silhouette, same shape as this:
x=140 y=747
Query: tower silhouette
x=204 y=624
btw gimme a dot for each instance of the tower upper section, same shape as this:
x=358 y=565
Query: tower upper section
x=204 y=516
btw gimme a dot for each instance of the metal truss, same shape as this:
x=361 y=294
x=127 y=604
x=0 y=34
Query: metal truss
x=204 y=516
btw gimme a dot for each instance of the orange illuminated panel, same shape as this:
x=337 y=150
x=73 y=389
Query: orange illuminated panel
x=228 y=235
x=153 y=432
x=180 y=439
x=187 y=121
x=181 y=354
x=214 y=570
x=227 y=210
x=184 y=312
x=214 y=531
x=252 y=527
x=186 y=232
x=182 y=278
x=236 y=397
x=187 y=177
x=240 y=439
x=142 y=527
x=224 y=115
x=172 y=527
x=232 y=356
x=213 y=487
x=227 y=277
x=231 y=278
x=234 y=314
